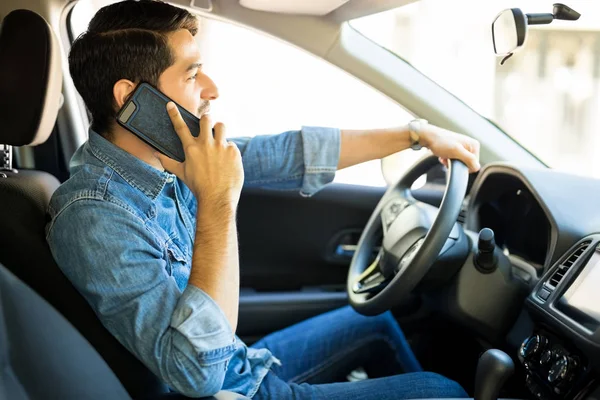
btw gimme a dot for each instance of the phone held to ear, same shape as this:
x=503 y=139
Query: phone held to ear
x=145 y=115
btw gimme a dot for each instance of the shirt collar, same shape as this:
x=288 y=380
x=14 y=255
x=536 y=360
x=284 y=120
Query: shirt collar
x=134 y=171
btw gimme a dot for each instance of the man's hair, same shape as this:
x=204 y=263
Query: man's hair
x=125 y=40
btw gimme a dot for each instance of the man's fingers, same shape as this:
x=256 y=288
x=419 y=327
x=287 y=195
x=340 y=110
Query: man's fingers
x=475 y=153
x=205 y=128
x=170 y=165
x=219 y=130
x=470 y=159
x=179 y=124
x=477 y=147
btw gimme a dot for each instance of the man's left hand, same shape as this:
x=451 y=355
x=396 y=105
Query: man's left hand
x=450 y=145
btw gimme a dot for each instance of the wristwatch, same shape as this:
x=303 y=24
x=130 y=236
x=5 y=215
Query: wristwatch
x=415 y=128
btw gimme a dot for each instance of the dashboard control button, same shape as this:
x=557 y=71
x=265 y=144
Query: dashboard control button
x=393 y=209
x=543 y=294
x=546 y=357
x=562 y=371
x=533 y=347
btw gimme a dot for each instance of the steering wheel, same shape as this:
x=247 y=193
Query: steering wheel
x=414 y=233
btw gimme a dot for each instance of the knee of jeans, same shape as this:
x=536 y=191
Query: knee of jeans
x=449 y=387
x=385 y=322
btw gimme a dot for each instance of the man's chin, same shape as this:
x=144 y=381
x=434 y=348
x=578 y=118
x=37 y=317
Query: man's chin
x=203 y=110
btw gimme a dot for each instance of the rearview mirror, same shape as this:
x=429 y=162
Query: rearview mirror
x=509 y=30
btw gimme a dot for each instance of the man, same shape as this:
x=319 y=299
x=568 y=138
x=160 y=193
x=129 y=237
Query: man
x=151 y=243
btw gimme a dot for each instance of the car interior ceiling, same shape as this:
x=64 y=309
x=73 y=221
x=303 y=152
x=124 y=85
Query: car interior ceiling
x=42 y=363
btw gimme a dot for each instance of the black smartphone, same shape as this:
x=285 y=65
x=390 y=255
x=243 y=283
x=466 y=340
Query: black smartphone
x=145 y=115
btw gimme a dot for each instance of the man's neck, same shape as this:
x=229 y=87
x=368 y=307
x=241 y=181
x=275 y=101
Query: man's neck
x=135 y=146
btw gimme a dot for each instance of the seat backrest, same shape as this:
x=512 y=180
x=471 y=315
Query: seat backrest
x=42 y=356
x=30 y=91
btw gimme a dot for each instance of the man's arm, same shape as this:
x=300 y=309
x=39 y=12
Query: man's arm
x=364 y=145
x=215 y=263
x=213 y=171
x=304 y=160
x=122 y=270
x=307 y=159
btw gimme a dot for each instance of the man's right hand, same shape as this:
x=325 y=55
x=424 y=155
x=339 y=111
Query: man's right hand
x=213 y=171
x=212 y=168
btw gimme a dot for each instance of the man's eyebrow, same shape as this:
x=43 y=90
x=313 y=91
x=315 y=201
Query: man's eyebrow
x=193 y=66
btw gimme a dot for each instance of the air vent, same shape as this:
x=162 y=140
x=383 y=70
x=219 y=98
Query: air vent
x=564 y=267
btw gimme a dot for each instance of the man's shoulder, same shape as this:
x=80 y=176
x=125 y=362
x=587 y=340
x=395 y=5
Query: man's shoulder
x=96 y=184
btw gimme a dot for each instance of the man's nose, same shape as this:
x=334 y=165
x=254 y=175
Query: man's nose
x=209 y=89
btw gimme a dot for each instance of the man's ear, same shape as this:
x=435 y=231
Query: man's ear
x=121 y=91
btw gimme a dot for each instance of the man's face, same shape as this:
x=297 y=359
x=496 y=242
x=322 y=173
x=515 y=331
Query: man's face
x=184 y=81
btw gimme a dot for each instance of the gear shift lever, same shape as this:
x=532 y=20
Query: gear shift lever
x=493 y=369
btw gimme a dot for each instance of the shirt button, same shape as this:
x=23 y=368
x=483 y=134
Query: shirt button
x=170 y=179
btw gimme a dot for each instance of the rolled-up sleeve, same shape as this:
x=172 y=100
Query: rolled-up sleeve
x=119 y=267
x=203 y=324
x=303 y=160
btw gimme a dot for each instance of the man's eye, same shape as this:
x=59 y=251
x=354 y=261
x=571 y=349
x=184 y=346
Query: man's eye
x=193 y=77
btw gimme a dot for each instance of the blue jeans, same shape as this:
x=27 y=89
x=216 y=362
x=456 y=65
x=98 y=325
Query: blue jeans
x=317 y=354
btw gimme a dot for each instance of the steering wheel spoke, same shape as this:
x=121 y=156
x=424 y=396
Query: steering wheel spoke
x=371 y=280
x=391 y=210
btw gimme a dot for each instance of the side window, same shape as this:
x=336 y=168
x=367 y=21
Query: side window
x=267 y=86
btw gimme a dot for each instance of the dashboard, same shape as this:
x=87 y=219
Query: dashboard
x=536 y=213
x=520 y=225
x=551 y=222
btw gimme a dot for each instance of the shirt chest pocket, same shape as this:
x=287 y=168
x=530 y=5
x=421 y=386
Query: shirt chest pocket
x=177 y=259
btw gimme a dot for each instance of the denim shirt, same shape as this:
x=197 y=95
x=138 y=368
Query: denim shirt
x=123 y=233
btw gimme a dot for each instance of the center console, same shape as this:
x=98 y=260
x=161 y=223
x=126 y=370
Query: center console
x=563 y=352
x=555 y=370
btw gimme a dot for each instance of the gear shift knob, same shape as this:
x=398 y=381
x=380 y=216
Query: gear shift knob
x=493 y=369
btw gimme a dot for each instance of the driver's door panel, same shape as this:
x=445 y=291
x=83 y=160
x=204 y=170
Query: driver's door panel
x=265 y=312
x=288 y=242
x=295 y=252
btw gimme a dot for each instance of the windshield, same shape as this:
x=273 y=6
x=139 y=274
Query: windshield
x=547 y=96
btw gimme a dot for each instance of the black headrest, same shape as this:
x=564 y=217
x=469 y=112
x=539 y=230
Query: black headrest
x=31 y=79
